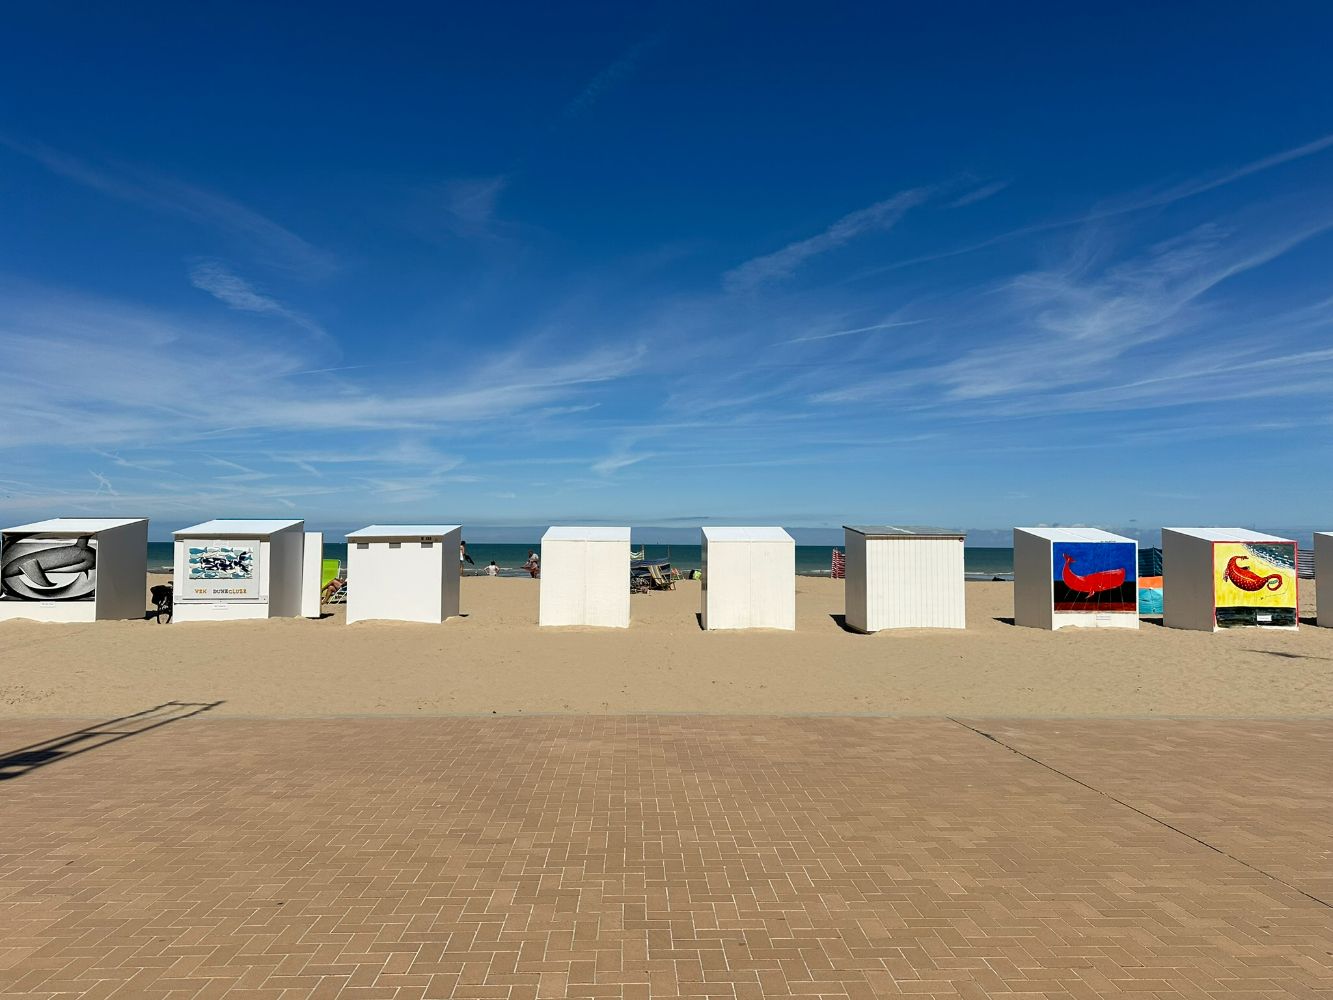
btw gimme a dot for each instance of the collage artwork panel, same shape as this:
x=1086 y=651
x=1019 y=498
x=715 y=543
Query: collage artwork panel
x=33 y=568
x=224 y=569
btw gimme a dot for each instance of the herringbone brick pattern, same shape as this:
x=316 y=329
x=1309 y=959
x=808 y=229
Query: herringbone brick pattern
x=664 y=857
x=1252 y=790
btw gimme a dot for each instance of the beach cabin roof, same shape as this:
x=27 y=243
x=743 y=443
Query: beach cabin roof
x=1228 y=534
x=733 y=534
x=76 y=525
x=906 y=531
x=379 y=532
x=1076 y=535
x=580 y=534
x=237 y=528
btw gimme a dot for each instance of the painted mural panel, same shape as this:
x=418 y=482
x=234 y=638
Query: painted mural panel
x=1255 y=584
x=1096 y=577
x=224 y=569
x=34 y=568
x=1151 y=601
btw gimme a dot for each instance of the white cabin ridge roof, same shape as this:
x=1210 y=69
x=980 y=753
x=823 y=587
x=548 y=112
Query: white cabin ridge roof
x=403 y=531
x=741 y=534
x=1076 y=535
x=904 y=531
x=238 y=528
x=77 y=525
x=574 y=533
x=1228 y=534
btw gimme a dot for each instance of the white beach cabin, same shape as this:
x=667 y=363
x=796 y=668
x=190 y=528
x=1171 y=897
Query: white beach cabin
x=1075 y=576
x=231 y=570
x=585 y=577
x=1323 y=576
x=904 y=577
x=749 y=578
x=1216 y=578
x=74 y=569
x=403 y=572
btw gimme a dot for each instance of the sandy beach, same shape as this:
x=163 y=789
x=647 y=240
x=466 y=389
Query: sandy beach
x=496 y=660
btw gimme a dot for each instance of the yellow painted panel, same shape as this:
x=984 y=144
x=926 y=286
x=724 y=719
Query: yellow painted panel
x=1254 y=575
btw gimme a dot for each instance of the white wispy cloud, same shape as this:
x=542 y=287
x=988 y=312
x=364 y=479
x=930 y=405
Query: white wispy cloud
x=93 y=373
x=1115 y=207
x=399 y=454
x=219 y=281
x=879 y=217
x=278 y=245
x=1205 y=183
x=470 y=206
x=618 y=461
x=607 y=79
x=979 y=194
x=1061 y=338
x=103 y=484
x=855 y=330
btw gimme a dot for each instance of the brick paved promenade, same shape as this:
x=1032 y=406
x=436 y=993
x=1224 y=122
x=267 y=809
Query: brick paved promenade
x=664 y=856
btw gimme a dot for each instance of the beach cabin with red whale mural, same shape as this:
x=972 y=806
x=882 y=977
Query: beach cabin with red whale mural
x=1220 y=578
x=74 y=569
x=1082 y=577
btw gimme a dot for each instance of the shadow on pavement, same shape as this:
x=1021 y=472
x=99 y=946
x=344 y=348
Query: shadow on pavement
x=24 y=760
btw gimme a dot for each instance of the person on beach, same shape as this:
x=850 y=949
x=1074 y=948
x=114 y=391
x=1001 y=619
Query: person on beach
x=492 y=569
x=463 y=557
x=533 y=565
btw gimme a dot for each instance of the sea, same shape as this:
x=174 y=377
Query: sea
x=811 y=560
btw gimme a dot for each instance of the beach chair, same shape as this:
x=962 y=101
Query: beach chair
x=661 y=581
x=329 y=570
x=331 y=573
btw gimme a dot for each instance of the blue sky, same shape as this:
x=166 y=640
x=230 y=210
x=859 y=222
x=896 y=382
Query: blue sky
x=662 y=265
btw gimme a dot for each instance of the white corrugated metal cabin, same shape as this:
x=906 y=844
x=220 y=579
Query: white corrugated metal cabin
x=237 y=569
x=1196 y=594
x=584 y=577
x=1323 y=576
x=403 y=572
x=75 y=569
x=1036 y=571
x=749 y=578
x=904 y=577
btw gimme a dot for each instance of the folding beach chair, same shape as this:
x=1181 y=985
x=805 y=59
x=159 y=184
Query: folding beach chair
x=330 y=573
x=329 y=570
x=661 y=581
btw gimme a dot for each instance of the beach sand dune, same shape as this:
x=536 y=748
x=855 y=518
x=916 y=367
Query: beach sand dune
x=496 y=660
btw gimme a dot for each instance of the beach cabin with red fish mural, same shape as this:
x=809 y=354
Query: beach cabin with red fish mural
x=1081 y=577
x=1220 y=578
x=74 y=569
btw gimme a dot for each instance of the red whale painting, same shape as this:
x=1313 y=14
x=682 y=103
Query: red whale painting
x=1095 y=577
x=1093 y=583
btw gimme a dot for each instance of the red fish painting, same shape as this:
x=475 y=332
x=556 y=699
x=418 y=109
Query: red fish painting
x=1247 y=579
x=1093 y=583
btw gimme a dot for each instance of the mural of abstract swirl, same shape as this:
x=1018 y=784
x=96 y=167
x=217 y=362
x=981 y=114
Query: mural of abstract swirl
x=48 y=569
